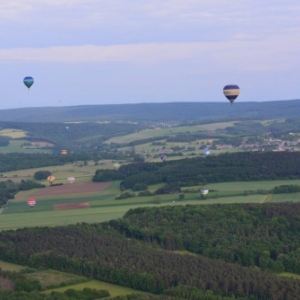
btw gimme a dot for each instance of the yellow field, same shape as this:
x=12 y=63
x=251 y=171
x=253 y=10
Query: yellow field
x=13 y=133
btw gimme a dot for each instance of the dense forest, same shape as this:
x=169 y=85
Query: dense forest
x=242 y=166
x=266 y=236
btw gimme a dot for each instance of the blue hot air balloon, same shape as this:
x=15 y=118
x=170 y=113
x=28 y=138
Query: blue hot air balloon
x=67 y=128
x=206 y=151
x=231 y=92
x=28 y=81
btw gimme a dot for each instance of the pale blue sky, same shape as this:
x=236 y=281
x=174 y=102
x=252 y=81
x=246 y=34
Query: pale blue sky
x=134 y=51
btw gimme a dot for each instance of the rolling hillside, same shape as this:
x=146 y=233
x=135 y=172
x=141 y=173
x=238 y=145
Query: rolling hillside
x=154 y=112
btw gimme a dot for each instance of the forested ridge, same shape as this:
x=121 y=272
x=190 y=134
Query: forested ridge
x=241 y=166
x=164 y=112
x=247 y=234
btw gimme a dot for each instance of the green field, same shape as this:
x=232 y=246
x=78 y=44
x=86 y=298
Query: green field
x=114 y=290
x=104 y=207
x=16 y=146
x=10 y=267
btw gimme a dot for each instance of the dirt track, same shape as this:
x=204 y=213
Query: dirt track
x=72 y=189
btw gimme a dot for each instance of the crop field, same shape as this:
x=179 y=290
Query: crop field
x=13 y=133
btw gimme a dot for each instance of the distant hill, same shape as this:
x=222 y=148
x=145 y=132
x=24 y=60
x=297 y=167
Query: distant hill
x=156 y=112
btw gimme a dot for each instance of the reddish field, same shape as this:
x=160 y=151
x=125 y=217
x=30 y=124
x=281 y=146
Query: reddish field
x=72 y=189
x=71 y=206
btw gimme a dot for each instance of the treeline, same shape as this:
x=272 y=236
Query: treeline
x=104 y=254
x=9 y=188
x=21 y=161
x=242 y=166
x=266 y=236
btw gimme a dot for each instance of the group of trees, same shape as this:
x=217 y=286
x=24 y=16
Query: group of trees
x=266 y=236
x=194 y=171
x=9 y=188
x=248 y=234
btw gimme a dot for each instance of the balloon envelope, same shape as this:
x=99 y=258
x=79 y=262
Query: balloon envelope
x=206 y=151
x=28 y=81
x=231 y=92
x=117 y=166
x=163 y=157
x=51 y=178
x=64 y=152
x=204 y=191
x=71 y=179
x=31 y=202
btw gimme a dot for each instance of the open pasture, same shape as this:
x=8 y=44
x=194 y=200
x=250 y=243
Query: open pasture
x=113 y=289
x=10 y=267
x=51 y=278
x=250 y=185
x=293 y=197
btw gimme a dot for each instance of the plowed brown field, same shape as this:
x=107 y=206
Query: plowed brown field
x=72 y=189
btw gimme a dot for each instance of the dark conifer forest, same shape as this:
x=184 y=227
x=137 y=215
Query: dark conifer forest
x=241 y=248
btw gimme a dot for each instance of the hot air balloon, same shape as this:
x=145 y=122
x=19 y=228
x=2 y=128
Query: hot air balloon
x=28 y=81
x=31 y=202
x=71 y=179
x=67 y=128
x=64 y=152
x=204 y=191
x=116 y=166
x=231 y=91
x=206 y=151
x=51 y=179
x=163 y=157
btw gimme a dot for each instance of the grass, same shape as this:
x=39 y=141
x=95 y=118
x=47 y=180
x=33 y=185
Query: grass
x=113 y=289
x=293 y=197
x=292 y=275
x=16 y=146
x=10 y=267
x=51 y=278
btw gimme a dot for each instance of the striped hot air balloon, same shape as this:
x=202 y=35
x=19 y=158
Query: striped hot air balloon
x=231 y=92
